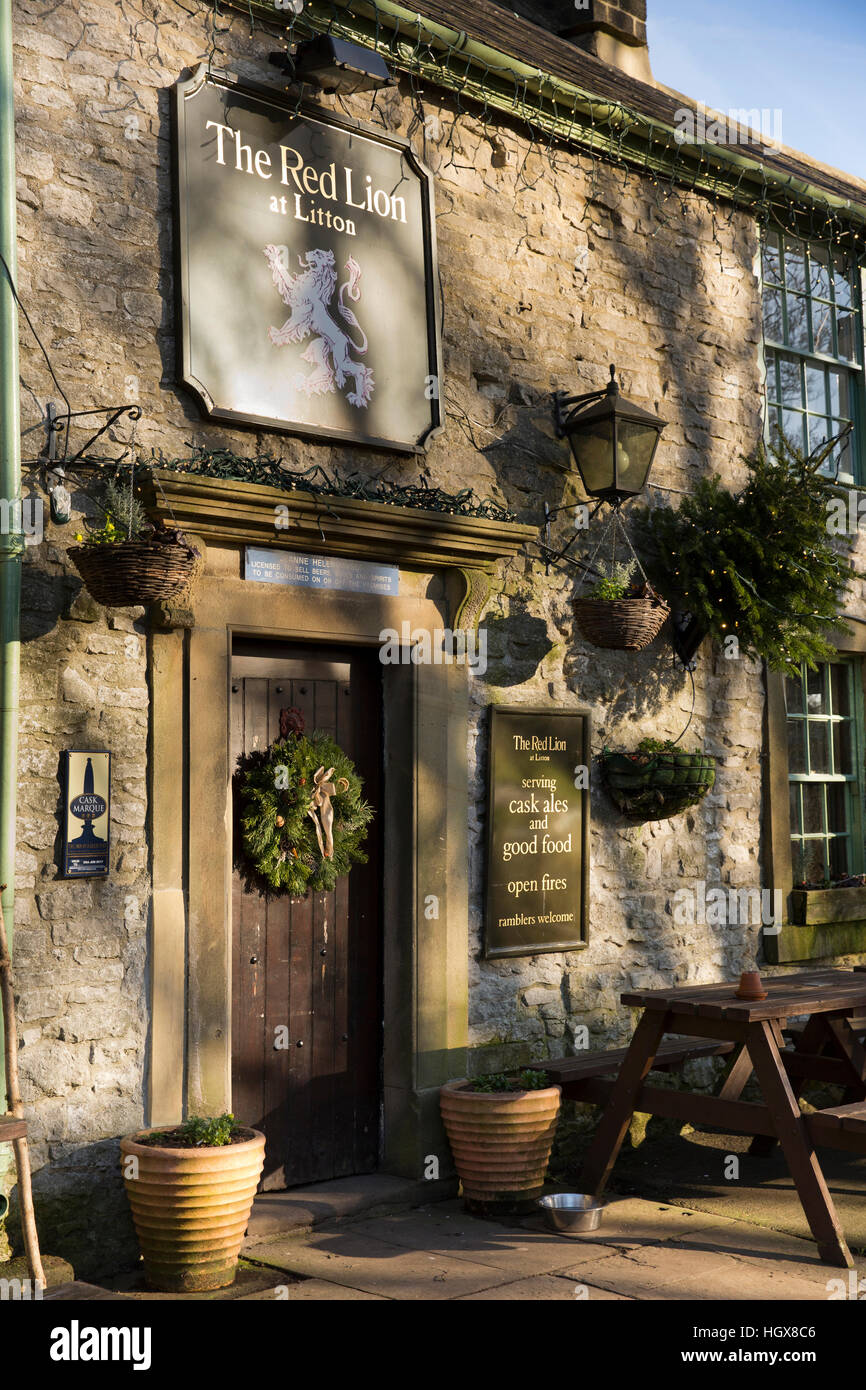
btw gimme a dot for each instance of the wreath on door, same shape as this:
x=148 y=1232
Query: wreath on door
x=303 y=821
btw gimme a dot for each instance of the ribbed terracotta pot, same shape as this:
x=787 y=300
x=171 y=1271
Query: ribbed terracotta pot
x=191 y=1208
x=501 y=1142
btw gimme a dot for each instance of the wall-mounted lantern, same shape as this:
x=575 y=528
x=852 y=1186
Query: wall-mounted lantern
x=613 y=441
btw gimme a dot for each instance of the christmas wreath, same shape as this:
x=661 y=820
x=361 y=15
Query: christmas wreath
x=302 y=817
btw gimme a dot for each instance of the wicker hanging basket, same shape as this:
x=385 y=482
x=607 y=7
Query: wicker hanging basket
x=624 y=624
x=127 y=573
x=654 y=786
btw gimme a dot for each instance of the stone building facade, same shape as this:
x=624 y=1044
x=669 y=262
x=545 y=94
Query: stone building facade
x=554 y=261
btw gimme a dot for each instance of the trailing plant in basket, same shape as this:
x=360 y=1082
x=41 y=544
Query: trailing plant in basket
x=615 y=585
x=128 y=560
x=758 y=564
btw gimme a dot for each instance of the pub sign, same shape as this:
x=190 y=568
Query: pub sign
x=307 y=268
x=86 y=813
x=538 y=831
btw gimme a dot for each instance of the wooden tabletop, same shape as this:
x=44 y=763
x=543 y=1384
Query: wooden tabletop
x=808 y=992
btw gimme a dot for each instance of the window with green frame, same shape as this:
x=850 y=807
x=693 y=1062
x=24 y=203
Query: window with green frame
x=813 y=347
x=825 y=763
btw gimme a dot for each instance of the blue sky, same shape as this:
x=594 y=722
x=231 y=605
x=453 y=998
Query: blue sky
x=804 y=58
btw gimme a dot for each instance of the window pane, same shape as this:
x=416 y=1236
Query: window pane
x=798 y=854
x=795 y=265
x=837 y=807
x=796 y=747
x=820 y=266
x=839 y=859
x=797 y=754
x=846 y=332
x=813 y=861
x=840 y=688
x=798 y=322
x=842 y=754
x=840 y=393
x=842 y=454
x=771 y=259
x=816 y=390
x=813 y=808
x=791 y=384
x=822 y=327
x=773 y=315
x=771 y=384
x=820 y=430
x=793 y=427
x=819 y=748
x=796 y=822
x=842 y=281
x=794 y=694
x=815 y=692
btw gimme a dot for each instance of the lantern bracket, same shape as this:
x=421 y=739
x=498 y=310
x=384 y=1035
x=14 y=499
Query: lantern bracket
x=566 y=407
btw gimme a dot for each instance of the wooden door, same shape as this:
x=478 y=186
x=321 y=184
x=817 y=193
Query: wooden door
x=310 y=965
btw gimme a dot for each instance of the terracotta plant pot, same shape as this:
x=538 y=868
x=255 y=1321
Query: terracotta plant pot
x=191 y=1208
x=501 y=1142
x=750 y=986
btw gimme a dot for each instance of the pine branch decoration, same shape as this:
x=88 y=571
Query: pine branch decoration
x=760 y=564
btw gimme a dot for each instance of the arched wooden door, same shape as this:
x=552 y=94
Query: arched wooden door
x=307 y=972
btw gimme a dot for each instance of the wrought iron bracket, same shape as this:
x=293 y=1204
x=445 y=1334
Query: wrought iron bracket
x=56 y=423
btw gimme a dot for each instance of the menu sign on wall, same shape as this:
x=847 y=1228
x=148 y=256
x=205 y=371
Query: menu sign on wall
x=538 y=840
x=307 y=268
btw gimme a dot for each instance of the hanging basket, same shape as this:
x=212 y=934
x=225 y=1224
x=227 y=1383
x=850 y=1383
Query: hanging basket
x=127 y=573
x=654 y=786
x=625 y=624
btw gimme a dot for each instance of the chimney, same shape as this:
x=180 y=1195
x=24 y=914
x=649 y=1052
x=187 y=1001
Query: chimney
x=614 y=31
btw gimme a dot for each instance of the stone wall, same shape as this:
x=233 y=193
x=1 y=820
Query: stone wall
x=550 y=269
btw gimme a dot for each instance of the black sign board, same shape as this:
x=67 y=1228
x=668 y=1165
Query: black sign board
x=86 y=818
x=538 y=833
x=307 y=268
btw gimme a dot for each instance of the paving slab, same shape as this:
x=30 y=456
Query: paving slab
x=635 y=1221
x=689 y=1171
x=301 y=1209
x=545 y=1288
x=343 y=1256
x=312 y=1291
x=249 y=1279
x=673 y=1272
x=448 y=1230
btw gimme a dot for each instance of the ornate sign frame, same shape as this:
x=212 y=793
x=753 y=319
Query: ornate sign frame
x=393 y=399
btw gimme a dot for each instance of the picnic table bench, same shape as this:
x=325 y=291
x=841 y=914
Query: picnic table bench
x=708 y=1020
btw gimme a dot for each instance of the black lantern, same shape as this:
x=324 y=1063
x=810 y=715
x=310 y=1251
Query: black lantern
x=613 y=440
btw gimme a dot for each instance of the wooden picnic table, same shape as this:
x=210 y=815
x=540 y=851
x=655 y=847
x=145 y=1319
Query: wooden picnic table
x=828 y=1049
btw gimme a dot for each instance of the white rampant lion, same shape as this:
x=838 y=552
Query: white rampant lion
x=309 y=296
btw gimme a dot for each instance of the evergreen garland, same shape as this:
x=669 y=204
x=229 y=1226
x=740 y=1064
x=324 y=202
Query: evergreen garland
x=759 y=564
x=279 y=842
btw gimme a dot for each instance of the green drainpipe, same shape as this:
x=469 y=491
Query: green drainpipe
x=10 y=484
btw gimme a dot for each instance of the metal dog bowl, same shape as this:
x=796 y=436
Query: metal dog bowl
x=571 y=1213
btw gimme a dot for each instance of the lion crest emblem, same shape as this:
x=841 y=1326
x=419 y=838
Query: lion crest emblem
x=309 y=295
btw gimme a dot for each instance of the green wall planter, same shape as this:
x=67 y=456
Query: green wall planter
x=654 y=786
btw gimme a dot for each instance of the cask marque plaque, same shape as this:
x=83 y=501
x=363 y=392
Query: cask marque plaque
x=538 y=832
x=306 y=250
